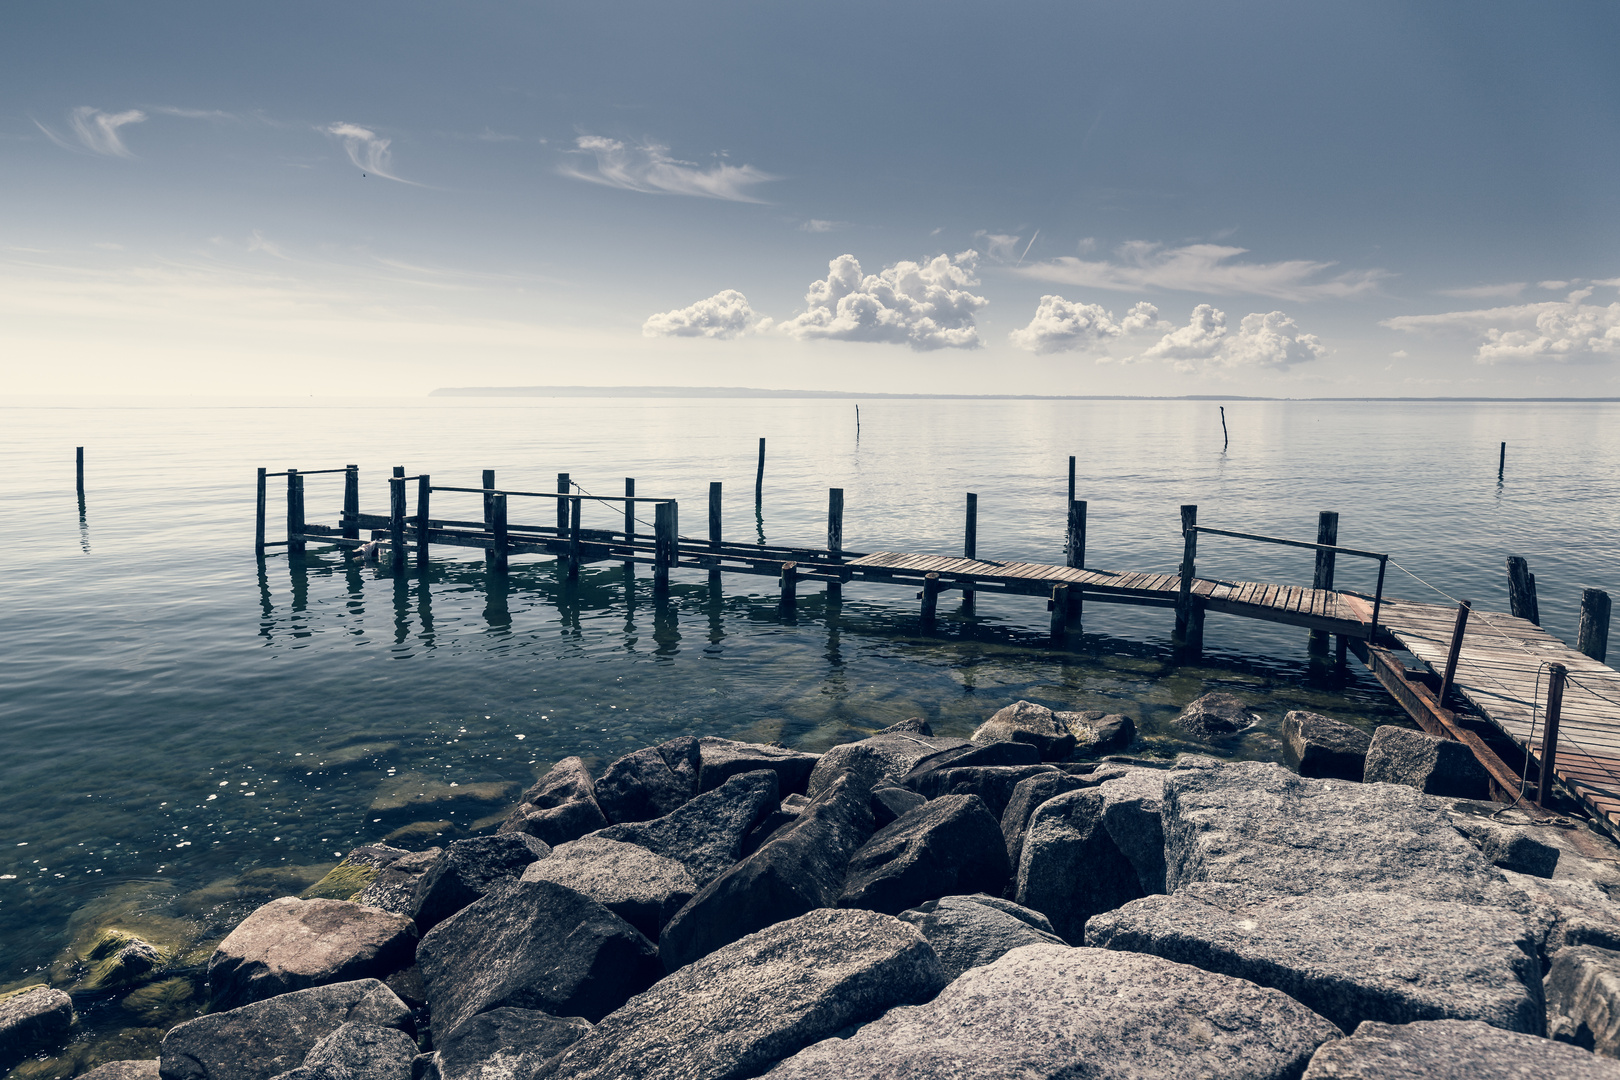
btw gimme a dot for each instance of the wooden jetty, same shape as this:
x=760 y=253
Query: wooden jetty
x=1553 y=710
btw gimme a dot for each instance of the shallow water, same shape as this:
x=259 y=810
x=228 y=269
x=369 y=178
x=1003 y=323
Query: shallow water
x=165 y=695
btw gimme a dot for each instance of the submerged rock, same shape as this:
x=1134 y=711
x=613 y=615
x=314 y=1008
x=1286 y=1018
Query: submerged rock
x=1452 y=1050
x=118 y=959
x=1433 y=765
x=1320 y=746
x=33 y=1019
x=349 y=878
x=1214 y=716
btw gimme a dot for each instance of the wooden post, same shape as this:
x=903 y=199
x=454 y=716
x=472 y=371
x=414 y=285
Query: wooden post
x=835 y=537
x=1522 y=590
x=1327 y=532
x=970 y=544
x=759 y=477
x=498 y=531
x=564 y=486
x=1549 y=740
x=1341 y=645
x=1075 y=556
x=258 y=519
x=351 y=502
x=629 y=518
x=1593 y=636
x=295 y=513
x=396 y=520
x=573 y=537
x=664 y=545
x=1060 y=614
x=424 y=489
x=489 y=515
x=790 y=585
x=714 y=527
x=1456 y=650
x=78 y=456
x=1071 y=479
x=930 y=601
x=1189 y=632
x=1501 y=463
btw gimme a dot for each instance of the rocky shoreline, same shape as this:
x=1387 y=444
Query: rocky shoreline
x=1027 y=903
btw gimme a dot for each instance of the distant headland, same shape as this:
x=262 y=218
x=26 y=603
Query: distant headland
x=755 y=392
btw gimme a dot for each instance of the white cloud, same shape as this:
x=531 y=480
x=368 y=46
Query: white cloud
x=1507 y=291
x=924 y=305
x=368 y=151
x=1209 y=268
x=1203 y=335
x=1142 y=316
x=195 y=114
x=650 y=169
x=1000 y=246
x=96 y=131
x=1062 y=325
x=724 y=315
x=1554 y=330
x=1267 y=341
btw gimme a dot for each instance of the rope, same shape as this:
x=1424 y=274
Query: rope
x=640 y=520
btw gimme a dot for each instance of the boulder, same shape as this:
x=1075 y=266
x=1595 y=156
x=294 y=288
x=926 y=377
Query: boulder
x=533 y=945
x=1133 y=816
x=1260 y=825
x=364 y=1052
x=1452 y=1050
x=1320 y=746
x=1027 y=722
x=1097 y=732
x=117 y=959
x=971 y=931
x=643 y=889
x=1070 y=868
x=1573 y=911
x=1511 y=847
x=1433 y=765
x=561 y=806
x=292 y=944
x=721 y=759
x=1046 y=1012
x=891 y=801
x=757 y=1000
x=1215 y=716
x=889 y=753
x=267 y=1038
x=914 y=725
x=949 y=845
x=504 y=1044
x=918 y=777
x=395 y=886
x=33 y=1019
x=1349 y=956
x=706 y=835
x=1583 y=998
x=993 y=784
x=642 y=786
x=124 y=1070
x=1028 y=794
x=467 y=870
x=349 y=878
x=799 y=869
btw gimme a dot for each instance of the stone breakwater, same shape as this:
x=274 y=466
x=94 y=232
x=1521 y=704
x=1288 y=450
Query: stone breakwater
x=915 y=906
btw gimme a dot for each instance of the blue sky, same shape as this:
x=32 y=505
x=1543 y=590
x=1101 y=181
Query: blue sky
x=1159 y=198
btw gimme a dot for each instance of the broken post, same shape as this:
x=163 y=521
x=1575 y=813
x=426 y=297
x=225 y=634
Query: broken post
x=1060 y=614
x=759 y=477
x=1456 y=651
x=1593 y=636
x=1522 y=590
x=790 y=585
x=930 y=601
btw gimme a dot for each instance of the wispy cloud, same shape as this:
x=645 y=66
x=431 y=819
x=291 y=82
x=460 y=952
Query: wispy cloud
x=367 y=150
x=1002 y=247
x=1566 y=329
x=724 y=315
x=95 y=131
x=1207 y=268
x=925 y=305
x=821 y=225
x=195 y=114
x=649 y=169
x=1510 y=290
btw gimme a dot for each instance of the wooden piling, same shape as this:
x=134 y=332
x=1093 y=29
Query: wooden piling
x=1060 y=614
x=759 y=477
x=564 y=486
x=715 y=527
x=295 y=513
x=930 y=600
x=790 y=585
x=497 y=516
x=1074 y=542
x=488 y=485
x=396 y=520
x=351 y=502
x=424 y=490
x=1327 y=532
x=1522 y=590
x=1071 y=478
x=573 y=537
x=970 y=544
x=1593 y=636
x=258 y=518
x=1456 y=650
x=664 y=551
x=78 y=457
x=1501 y=463
x=629 y=518
x=1188 y=635
x=1549 y=740
x=835 y=537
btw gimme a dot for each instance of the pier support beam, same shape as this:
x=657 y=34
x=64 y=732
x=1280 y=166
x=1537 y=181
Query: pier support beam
x=573 y=537
x=396 y=520
x=1593 y=636
x=564 y=486
x=970 y=545
x=1074 y=551
x=424 y=491
x=258 y=519
x=489 y=514
x=790 y=586
x=629 y=519
x=1556 y=674
x=1188 y=637
x=497 y=516
x=351 y=502
x=835 y=537
x=295 y=513
x=1327 y=532
x=665 y=532
x=930 y=602
x=714 y=528
x=1060 y=614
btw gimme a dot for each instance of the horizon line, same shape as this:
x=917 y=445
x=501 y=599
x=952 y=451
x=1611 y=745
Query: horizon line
x=756 y=392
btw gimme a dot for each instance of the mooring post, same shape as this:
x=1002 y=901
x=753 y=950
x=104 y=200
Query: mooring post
x=1074 y=535
x=1549 y=740
x=424 y=489
x=564 y=486
x=835 y=537
x=759 y=477
x=351 y=502
x=930 y=601
x=1456 y=650
x=488 y=484
x=1593 y=636
x=573 y=537
x=970 y=544
x=630 y=520
x=715 y=493
x=295 y=513
x=1501 y=463
x=1327 y=532
x=664 y=534
x=1071 y=478
x=396 y=520
x=78 y=456
x=258 y=518
x=790 y=585
x=1189 y=632
x=498 y=529
x=1060 y=614
x=1522 y=590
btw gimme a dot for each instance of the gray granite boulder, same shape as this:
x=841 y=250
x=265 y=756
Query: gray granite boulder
x=267 y=1038
x=642 y=786
x=721 y=759
x=1320 y=746
x=559 y=807
x=891 y=754
x=1133 y=815
x=1583 y=998
x=1097 y=732
x=364 y=1052
x=920 y=777
x=1028 y=794
x=533 y=945
x=949 y=845
x=1573 y=911
x=707 y=834
x=1027 y=722
x=131 y=1069
x=504 y=1044
x=1432 y=765
x=292 y=944
x=643 y=889
x=799 y=869
x=1070 y=868
x=1349 y=956
x=1510 y=847
x=36 y=1019
x=994 y=784
x=975 y=930
x=1452 y=1050
x=914 y=725
x=394 y=888
x=758 y=1000
x=1045 y=1012
x=1215 y=716
x=891 y=801
x=467 y=870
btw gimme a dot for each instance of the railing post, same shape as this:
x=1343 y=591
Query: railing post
x=930 y=601
x=630 y=519
x=258 y=519
x=573 y=537
x=295 y=513
x=564 y=486
x=489 y=514
x=1549 y=740
x=1456 y=650
x=1593 y=636
x=1327 y=532
x=835 y=537
x=1189 y=631
x=1060 y=614
x=790 y=582
x=1522 y=590
x=351 y=502
x=424 y=489
x=396 y=520
x=1378 y=600
x=970 y=544
x=664 y=532
x=715 y=494
x=497 y=528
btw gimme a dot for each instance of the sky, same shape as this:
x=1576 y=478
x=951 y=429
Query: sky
x=1280 y=199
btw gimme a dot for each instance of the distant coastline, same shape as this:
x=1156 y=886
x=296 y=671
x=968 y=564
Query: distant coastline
x=754 y=392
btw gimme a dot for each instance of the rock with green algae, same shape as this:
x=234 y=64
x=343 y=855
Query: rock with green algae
x=349 y=878
x=135 y=910
x=32 y=1019
x=162 y=1004
x=117 y=959
x=414 y=797
x=255 y=886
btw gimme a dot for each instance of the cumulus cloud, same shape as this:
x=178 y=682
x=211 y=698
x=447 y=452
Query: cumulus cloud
x=925 y=305
x=1268 y=341
x=1062 y=325
x=724 y=315
x=1208 y=268
x=1555 y=330
x=96 y=131
x=650 y=169
x=367 y=150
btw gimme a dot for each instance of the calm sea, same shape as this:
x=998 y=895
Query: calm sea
x=164 y=692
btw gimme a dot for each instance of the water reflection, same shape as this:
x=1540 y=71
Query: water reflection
x=84 y=525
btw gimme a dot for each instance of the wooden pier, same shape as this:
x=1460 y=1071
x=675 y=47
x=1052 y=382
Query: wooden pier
x=1554 y=711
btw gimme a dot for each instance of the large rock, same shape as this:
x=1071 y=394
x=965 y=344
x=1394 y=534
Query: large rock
x=359 y=868
x=267 y=1038
x=1260 y=825
x=1215 y=716
x=949 y=845
x=504 y=1044
x=1070 y=868
x=559 y=807
x=920 y=776
x=994 y=784
x=891 y=801
x=1574 y=912
x=1510 y=847
x=395 y=886
x=533 y=945
x=799 y=869
x=643 y=785
x=1045 y=1012
x=470 y=868
x=1583 y=998
x=364 y=1052
x=1433 y=765
x=1028 y=794
x=1351 y=956
x=643 y=889
x=1133 y=815
x=131 y=1069
x=707 y=834
x=36 y=1018
x=1097 y=732
x=1027 y=722
x=972 y=931
x=292 y=944
x=892 y=754
x=721 y=759
x=1452 y=1050
x=1320 y=746
x=757 y=1000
